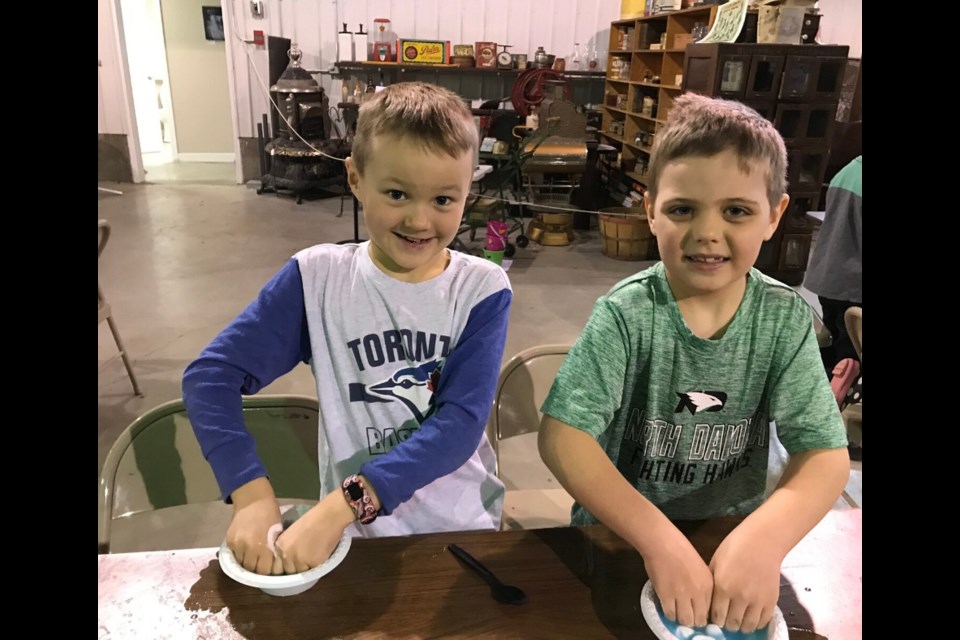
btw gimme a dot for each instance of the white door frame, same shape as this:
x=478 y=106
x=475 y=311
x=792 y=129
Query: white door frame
x=129 y=115
x=227 y=8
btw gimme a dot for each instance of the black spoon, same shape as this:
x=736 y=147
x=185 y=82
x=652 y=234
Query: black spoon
x=505 y=593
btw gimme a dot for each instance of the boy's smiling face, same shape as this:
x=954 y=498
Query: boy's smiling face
x=710 y=219
x=413 y=200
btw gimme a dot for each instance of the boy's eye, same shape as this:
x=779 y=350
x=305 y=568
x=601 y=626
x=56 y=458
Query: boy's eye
x=737 y=212
x=396 y=194
x=680 y=210
x=444 y=200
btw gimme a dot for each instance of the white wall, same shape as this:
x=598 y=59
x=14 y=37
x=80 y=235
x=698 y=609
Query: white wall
x=110 y=103
x=313 y=24
x=198 y=83
x=526 y=24
x=842 y=23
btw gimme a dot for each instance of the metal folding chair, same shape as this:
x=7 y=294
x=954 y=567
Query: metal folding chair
x=104 y=312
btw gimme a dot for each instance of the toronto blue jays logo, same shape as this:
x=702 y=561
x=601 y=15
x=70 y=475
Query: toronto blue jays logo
x=697 y=401
x=412 y=386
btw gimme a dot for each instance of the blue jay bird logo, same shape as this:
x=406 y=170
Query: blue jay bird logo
x=697 y=401
x=413 y=386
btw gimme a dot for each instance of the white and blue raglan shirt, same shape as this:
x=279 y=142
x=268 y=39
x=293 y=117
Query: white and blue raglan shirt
x=405 y=374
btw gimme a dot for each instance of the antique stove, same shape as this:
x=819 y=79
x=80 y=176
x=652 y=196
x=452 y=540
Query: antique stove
x=293 y=158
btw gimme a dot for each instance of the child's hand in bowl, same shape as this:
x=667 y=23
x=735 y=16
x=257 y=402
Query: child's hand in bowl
x=255 y=513
x=309 y=541
x=746 y=582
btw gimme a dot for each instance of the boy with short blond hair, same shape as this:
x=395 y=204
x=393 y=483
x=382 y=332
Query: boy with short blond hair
x=405 y=339
x=661 y=410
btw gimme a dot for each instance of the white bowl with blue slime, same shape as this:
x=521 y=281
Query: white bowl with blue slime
x=666 y=629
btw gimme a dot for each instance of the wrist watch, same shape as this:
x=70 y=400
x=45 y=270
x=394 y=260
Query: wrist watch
x=359 y=500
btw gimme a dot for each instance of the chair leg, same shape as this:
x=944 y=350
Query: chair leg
x=123 y=355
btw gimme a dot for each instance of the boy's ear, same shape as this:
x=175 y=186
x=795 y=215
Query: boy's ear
x=648 y=207
x=775 y=215
x=353 y=176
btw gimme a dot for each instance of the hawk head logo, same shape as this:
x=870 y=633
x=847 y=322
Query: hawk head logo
x=697 y=401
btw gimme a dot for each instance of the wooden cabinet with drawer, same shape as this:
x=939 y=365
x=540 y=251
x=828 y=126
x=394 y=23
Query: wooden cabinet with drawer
x=797 y=88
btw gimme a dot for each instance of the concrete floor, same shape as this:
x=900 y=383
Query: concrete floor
x=191 y=249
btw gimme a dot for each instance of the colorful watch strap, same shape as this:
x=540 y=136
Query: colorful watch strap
x=359 y=500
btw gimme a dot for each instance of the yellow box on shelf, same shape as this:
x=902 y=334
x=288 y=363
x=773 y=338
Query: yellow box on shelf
x=424 y=51
x=631 y=8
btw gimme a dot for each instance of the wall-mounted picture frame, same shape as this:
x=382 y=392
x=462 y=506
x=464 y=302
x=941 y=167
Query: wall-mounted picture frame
x=213 y=23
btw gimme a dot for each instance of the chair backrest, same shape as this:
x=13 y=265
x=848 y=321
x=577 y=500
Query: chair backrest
x=157 y=463
x=524 y=384
x=103 y=234
x=853 y=319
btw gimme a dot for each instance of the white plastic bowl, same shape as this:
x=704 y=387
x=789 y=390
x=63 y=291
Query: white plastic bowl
x=776 y=630
x=285 y=585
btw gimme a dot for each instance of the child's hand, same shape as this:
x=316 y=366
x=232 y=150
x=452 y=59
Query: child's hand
x=746 y=582
x=309 y=541
x=255 y=511
x=682 y=580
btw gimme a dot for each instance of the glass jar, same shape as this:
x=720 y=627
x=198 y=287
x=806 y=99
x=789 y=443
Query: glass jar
x=540 y=57
x=383 y=40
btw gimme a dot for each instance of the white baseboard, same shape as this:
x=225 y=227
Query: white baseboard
x=206 y=157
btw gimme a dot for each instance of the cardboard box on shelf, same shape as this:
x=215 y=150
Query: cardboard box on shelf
x=423 y=51
x=681 y=40
x=487 y=55
x=631 y=9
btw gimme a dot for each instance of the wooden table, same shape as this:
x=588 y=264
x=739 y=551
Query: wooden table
x=581 y=582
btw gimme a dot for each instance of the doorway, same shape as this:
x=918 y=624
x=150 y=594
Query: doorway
x=149 y=82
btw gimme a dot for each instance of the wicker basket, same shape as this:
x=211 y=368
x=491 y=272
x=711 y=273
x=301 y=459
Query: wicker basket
x=626 y=234
x=557 y=219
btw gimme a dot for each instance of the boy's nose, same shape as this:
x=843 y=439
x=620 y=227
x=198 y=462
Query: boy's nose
x=707 y=227
x=418 y=217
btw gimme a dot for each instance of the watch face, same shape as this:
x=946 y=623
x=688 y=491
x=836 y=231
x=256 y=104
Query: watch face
x=354 y=491
x=504 y=59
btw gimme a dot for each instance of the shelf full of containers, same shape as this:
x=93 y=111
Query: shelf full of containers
x=644 y=77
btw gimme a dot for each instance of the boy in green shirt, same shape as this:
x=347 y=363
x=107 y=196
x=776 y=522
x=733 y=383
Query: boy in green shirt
x=661 y=410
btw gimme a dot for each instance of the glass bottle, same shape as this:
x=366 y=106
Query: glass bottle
x=593 y=60
x=358 y=91
x=370 y=90
x=576 y=60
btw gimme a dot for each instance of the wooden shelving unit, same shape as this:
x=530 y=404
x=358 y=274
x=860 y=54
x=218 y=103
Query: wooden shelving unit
x=645 y=62
x=796 y=87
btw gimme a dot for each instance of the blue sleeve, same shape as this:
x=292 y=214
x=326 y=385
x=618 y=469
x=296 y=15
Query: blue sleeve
x=266 y=341
x=464 y=397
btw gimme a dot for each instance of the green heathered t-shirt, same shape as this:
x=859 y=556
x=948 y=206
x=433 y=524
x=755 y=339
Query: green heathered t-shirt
x=688 y=419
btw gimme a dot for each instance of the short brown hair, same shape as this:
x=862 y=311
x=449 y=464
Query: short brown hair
x=428 y=113
x=703 y=127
